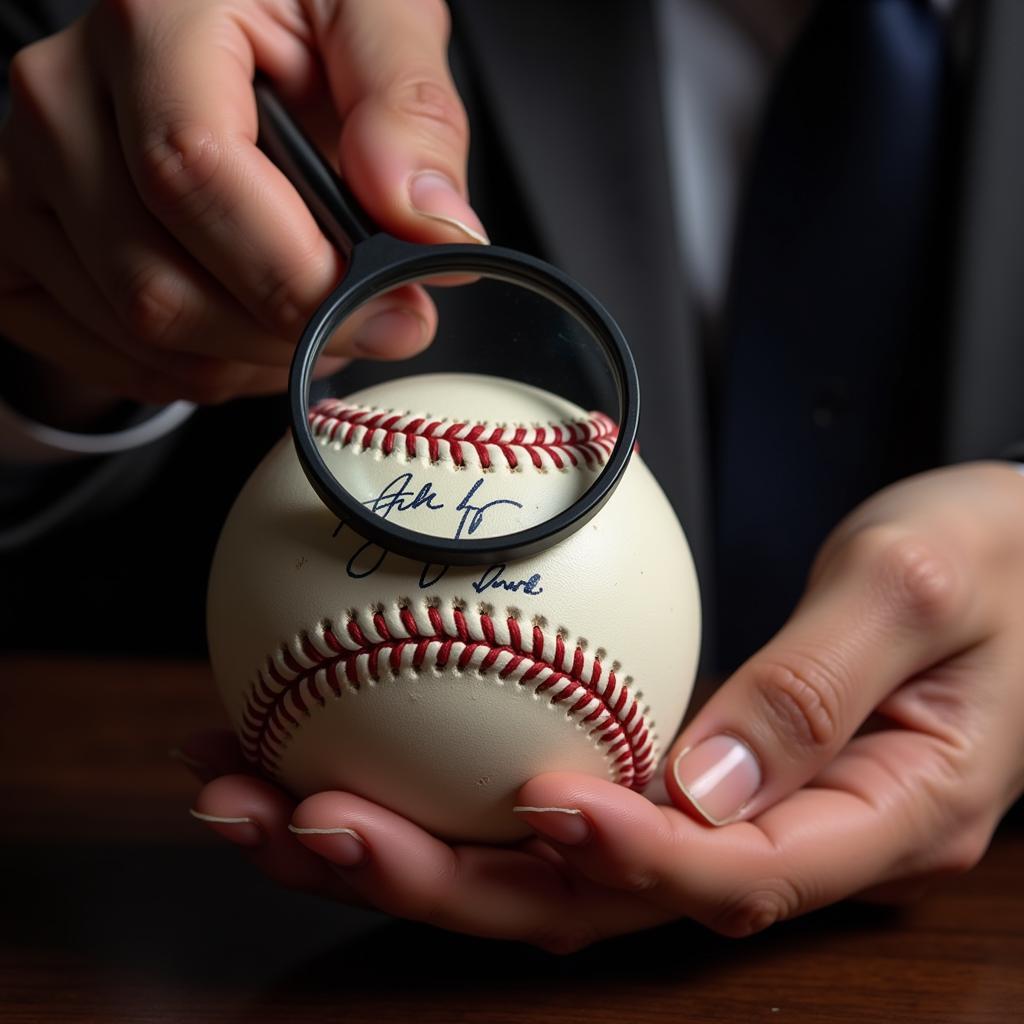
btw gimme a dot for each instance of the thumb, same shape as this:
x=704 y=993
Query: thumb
x=405 y=139
x=886 y=610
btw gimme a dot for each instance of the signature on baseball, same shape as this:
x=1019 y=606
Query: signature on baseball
x=399 y=496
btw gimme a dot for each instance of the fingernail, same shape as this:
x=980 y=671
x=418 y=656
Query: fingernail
x=177 y=754
x=385 y=333
x=720 y=776
x=243 y=831
x=562 y=824
x=435 y=196
x=347 y=847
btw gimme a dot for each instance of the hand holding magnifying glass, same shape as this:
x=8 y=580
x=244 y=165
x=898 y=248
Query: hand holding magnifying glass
x=508 y=290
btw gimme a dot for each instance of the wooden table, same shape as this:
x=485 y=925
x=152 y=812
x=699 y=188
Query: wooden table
x=116 y=906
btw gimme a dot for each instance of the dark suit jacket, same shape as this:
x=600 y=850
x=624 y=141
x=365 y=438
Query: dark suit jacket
x=569 y=162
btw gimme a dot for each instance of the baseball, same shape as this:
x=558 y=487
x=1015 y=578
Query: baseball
x=437 y=692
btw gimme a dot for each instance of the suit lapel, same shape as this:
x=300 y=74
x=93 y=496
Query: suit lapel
x=573 y=89
x=987 y=370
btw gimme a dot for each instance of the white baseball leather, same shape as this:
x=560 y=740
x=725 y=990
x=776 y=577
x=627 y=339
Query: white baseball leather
x=438 y=694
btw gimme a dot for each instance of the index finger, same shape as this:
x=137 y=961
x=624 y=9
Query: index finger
x=180 y=78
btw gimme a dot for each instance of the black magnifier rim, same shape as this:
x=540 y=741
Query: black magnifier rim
x=382 y=263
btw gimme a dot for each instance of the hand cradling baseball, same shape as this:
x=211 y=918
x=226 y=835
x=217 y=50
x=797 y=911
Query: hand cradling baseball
x=438 y=691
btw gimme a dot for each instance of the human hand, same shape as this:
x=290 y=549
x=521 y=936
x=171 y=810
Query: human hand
x=152 y=252
x=882 y=736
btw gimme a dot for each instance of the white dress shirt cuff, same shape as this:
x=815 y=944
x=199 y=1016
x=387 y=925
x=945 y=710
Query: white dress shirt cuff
x=23 y=440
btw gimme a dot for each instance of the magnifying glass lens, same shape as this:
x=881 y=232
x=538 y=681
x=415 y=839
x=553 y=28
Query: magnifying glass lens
x=512 y=441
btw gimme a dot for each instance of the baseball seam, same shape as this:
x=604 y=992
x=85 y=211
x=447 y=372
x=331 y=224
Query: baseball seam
x=326 y=662
x=572 y=443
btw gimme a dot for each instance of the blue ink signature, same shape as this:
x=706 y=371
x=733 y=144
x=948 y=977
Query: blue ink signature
x=475 y=513
x=398 y=496
x=492 y=579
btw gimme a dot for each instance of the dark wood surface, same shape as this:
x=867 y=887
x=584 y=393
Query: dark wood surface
x=116 y=906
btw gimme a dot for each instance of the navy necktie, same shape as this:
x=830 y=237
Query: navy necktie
x=825 y=305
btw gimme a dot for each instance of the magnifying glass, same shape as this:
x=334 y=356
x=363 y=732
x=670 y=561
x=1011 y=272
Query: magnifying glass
x=533 y=323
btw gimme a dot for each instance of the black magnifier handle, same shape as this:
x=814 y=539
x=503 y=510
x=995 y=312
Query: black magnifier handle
x=341 y=218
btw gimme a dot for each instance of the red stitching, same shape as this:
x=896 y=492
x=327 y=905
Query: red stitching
x=559 y=444
x=288 y=688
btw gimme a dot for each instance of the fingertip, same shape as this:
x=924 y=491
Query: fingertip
x=391 y=334
x=332 y=823
x=319 y=807
x=571 y=789
x=328 y=366
x=565 y=825
x=396 y=325
x=346 y=830
x=241 y=808
x=232 y=806
x=606 y=806
x=715 y=780
x=254 y=815
x=412 y=191
x=612 y=835
x=238 y=829
x=435 y=196
x=339 y=844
